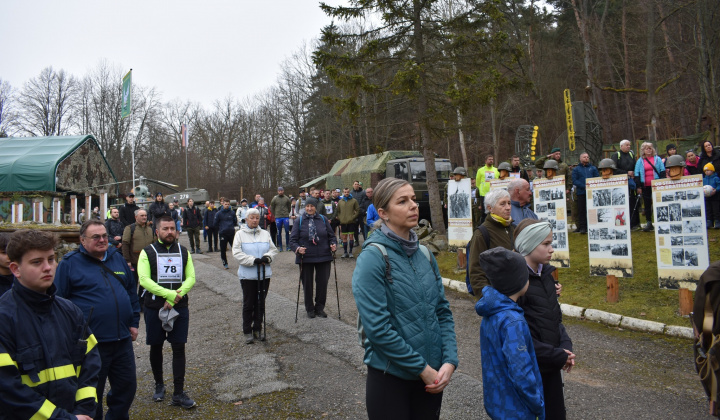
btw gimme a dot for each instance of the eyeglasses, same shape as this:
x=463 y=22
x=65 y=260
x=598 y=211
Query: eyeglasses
x=98 y=237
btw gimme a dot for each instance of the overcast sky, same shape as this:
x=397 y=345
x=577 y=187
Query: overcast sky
x=200 y=50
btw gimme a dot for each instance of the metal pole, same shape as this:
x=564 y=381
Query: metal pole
x=297 y=305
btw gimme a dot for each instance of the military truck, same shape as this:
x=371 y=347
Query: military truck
x=407 y=165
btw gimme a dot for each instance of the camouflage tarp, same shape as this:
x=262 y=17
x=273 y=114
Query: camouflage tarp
x=361 y=168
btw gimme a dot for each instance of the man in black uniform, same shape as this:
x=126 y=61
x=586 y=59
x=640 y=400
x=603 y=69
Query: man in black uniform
x=49 y=361
x=127 y=212
x=625 y=162
x=167 y=273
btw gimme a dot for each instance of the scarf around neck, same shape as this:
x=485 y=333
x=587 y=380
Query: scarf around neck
x=501 y=220
x=409 y=246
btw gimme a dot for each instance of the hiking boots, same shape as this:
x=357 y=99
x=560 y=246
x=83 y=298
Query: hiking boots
x=249 y=338
x=159 y=394
x=183 y=401
x=225 y=265
x=321 y=313
x=311 y=314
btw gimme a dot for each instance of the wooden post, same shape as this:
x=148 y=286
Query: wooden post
x=18 y=212
x=73 y=210
x=88 y=206
x=686 y=302
x=613 y=288
x=56 y=211
x=103 y=204
x=37 y=210
x=461 y=258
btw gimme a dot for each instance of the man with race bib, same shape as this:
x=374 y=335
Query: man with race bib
x=167 y=273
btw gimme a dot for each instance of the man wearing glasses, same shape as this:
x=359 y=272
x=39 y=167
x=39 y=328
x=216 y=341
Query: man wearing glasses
x=97 y=279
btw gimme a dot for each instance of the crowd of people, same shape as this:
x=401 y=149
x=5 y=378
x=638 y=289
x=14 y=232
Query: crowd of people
x=82 y=315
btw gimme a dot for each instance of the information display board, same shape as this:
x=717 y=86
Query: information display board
x=681 y=239
x=550 y=206
x=608 y=218
x=460 y=227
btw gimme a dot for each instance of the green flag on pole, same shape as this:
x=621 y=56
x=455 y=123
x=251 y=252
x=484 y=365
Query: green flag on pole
x=126 y=95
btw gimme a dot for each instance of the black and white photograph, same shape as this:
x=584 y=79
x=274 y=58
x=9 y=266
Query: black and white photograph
x=676 y=228
x=665 y=229
x=541 y=208
x=691 y=258
x=551 y=206
x=558 y=194
x=551 y=213
x=667 y=196
x=692 y=226
x=562 y=240
x=693 y=240
x=691 y=209
x=602 y=198
x=618 y=196
x=459 y=207
x=593 y=234
x=675 y=210
x=676 y=240
x=619 y=249
x=693 y=195
x=605 y=215
x=620 y=233
x=662 y=214
x=679 y=195
x=560 y=225
x=594 y=247
x=678 y=257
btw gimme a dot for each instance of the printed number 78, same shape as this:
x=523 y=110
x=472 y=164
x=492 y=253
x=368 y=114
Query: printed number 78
x=171 y=268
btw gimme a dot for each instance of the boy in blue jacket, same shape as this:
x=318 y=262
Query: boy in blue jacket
x=712 y=203
x=512 y=385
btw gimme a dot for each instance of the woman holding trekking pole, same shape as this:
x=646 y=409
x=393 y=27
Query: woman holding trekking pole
x=254 y=249
x=313 y=241
x=409 y=332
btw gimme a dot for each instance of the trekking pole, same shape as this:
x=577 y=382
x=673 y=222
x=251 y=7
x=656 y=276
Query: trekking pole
x=257 y=306
x=637 y=203
x=297 y=305
x=337 y=292
x=264 y=296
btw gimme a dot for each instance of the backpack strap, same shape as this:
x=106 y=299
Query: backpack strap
x=486 y=236
x=426 y=252
x=388 y=275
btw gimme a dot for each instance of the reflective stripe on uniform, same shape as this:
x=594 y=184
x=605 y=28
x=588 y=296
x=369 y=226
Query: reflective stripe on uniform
x=6 y=360
x=91 y=343
x=51 y=374
x=45 y=412
x=87 y=392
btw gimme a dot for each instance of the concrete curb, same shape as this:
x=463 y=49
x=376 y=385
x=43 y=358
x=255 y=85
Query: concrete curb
x=607 y=318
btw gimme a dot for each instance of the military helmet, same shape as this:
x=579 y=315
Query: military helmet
x=460 y=171
x=675 y=160
x=607 y=164
x=504 y=166
x=551 y=164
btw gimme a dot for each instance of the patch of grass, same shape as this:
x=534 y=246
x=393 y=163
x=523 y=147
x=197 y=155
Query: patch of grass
x=640 y=296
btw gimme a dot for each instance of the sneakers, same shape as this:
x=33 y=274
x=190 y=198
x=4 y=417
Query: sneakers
x=649 y=227
x=159 y=394
x=350 y=255
x=345 y=255
x=321 y=313
x=249 y=338
x=183 y=401
x=225 y=265
x=288 y=249
x=258 y=336
x=197 y=250
x=192 y=251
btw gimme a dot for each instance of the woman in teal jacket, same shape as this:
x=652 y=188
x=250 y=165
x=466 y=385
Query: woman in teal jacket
x=409 y=342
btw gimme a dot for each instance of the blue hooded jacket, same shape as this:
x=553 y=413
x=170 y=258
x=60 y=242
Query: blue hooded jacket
x=408 y=323
x=512 y=386
x=81 y=279
x=225 y=220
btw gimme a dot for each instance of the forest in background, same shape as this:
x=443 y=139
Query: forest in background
x=405 y=75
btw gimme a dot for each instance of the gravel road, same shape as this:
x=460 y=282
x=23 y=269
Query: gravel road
x=313 y=368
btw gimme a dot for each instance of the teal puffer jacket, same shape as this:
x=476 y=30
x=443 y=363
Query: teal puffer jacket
x=408 y=323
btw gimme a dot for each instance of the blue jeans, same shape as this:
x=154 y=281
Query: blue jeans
x=118 y=367
x=279 y=223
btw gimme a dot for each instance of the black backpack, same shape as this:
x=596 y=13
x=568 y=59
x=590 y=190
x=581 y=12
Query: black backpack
x=486 y=236
x=706 y=326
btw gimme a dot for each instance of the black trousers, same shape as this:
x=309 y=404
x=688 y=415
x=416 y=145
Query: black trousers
x=389 y=397
x=118 y=368
x=634 y=207
x=319 y=274
x=227 y=237
x=647 y=203
x=254 y=294
x=212 y=233
x=582 y=212
x=554 y=395
x=178 y=365
x=712 y=209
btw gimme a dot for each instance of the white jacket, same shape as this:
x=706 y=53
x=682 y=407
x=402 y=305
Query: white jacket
x=250 y=244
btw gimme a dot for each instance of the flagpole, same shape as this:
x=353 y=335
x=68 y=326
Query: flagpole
x=186 y=143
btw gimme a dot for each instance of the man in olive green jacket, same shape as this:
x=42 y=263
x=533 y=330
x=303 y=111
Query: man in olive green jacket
x=348 y=210
x=280 y=208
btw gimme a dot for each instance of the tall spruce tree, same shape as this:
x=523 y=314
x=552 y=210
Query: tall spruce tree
x=439 y=60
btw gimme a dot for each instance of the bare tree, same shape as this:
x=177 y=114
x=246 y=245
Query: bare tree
x=46 y=104
x=6 y=104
